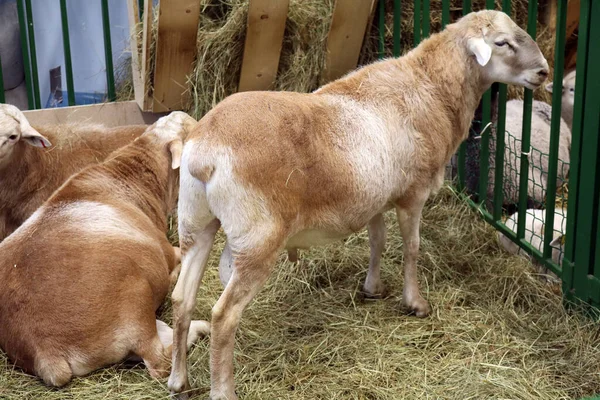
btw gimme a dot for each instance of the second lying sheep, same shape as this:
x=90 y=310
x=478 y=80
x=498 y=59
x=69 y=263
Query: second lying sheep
x=538 y=154
x=535 y=222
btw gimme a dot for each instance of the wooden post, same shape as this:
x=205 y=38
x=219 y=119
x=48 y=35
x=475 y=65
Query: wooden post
x=572 y=17
x=175 y=51
x=146 y=41
x=573 y=10
x=348 y=25
x=264 y=38
x=138 y=89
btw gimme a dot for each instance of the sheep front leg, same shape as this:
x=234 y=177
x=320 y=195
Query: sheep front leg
x=409 y=219
x=377 y=236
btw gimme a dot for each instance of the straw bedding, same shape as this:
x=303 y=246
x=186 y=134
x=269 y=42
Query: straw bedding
x=496 y=332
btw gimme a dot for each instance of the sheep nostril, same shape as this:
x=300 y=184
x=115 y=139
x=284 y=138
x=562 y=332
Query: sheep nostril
x=543 y=73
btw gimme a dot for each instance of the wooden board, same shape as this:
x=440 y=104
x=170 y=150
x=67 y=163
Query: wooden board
x=109 y=114
x=264 y=38
x=348 y=25
x=363 y=54
x=133 y=10
x=145 y=62
x=573 y=10
x=175 y=52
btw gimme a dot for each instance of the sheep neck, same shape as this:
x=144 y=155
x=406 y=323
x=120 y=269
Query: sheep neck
x=141 y=169
x=437 y=86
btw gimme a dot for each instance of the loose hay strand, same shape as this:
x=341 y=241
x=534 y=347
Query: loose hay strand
x=496 y=332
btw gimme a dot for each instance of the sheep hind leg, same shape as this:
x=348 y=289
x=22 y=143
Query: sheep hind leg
x=373 y=288
x=409 y=219
x=197 y=330
x=249 y=275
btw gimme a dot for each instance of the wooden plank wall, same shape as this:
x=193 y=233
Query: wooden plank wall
x=132 y=8
x=350 y=20
x=175 y=52
x=573 y=10
x=108 y=114
x=176 y=47
x=146 y=41
x=264 y=38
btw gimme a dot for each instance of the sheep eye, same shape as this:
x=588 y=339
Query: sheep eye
x=571 y=90
x=503 y=43
x=13 y=137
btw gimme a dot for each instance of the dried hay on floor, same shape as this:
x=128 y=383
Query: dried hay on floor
x=222 y=30
x=497 y=331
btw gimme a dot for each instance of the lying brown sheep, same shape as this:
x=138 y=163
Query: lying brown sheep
x=34 y=162
x=81 y=279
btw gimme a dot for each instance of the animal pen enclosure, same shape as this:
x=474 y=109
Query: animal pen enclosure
x=499 y=333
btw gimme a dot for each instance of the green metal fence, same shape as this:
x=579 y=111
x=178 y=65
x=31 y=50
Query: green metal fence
x=28 y=45
x=500 y=150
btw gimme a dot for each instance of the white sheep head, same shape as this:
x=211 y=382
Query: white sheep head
x=568 y=96
x=504 y=52
x=172 y=130
x=15 y=128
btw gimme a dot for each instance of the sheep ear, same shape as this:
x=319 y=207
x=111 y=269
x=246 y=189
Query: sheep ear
x=176 y=147
x=28 y=134
x=33 y=137
x=557 y=242
x=480 y=49
x=549 y=87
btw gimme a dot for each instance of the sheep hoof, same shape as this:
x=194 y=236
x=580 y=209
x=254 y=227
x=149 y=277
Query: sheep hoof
x=179 y=388
x=379 y=293
x=419 y=307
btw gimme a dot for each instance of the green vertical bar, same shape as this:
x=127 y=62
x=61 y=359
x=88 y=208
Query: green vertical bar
x=597 y=252
x=559 y=62
x=426 y=24
x=486 y=117
x=381 y=28
x=462 y=150
x=141 y=8
x=500 y=133
x=484 y=158
x=445 y=13
x=2 y=99
x=466 y=7
x=417 y=22
x=491 y=4
x=526 y=134
x=397 y=17
x=575 y=157
x=589 y=179
x=25 y=51
x=110 y=74
x=67 y=50
x=34 y=67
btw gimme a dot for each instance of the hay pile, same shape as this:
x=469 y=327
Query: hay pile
x=496 y=332
x=221 y=35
